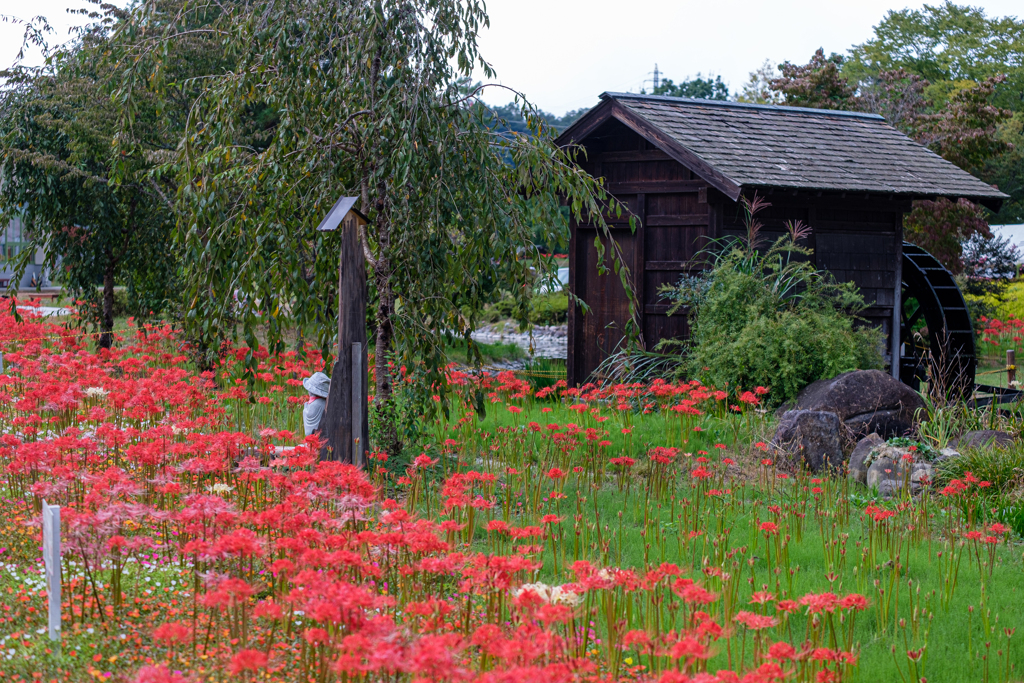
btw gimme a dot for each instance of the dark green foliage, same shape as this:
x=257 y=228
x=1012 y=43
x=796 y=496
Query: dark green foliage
x=1006 y=170
x=698 y=88
x=922 y=450
x=771 y=319
x=956 y=49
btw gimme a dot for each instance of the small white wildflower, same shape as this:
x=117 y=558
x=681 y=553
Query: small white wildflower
x=221 y=488
x=542 y=590
x=95 y=392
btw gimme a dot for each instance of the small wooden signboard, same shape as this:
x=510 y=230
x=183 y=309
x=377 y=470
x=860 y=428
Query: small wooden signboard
x=51 y=558
x=346 y=421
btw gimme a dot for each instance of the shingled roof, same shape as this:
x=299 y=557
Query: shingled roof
x=735 y=146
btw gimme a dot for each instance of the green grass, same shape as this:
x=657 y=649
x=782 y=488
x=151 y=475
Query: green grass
x=632 y=528
x=497 y=352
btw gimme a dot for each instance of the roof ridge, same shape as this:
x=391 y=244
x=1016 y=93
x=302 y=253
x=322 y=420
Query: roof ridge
x=743 y=105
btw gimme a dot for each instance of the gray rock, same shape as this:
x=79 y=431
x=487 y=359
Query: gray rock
x=922 y=474
x=858 y=470
x=814 y=436
x=982 y=438
x=880 y=470
x=889 y=488
x=866 y=400
x=889 y=477
x=888 y=422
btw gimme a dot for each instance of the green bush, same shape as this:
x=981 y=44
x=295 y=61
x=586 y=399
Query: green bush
x=771 y=319
x=545 y=309
x=549 y=309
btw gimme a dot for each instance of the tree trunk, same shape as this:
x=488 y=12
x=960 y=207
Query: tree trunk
x=107 y=318
x=383 y=400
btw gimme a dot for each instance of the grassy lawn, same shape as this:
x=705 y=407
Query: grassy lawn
x=829 y=545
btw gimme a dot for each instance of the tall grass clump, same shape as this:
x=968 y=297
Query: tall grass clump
x=770 y=318
x=1003 y=467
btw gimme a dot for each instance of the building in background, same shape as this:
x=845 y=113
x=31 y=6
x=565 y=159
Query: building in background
x=12 y=245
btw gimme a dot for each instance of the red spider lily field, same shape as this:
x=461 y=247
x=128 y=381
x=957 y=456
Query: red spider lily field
x=632 y=532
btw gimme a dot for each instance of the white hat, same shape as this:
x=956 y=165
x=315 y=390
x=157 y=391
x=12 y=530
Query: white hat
x=318 y=384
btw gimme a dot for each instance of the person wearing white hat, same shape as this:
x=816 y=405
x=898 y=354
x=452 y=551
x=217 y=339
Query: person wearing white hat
x=319 y=386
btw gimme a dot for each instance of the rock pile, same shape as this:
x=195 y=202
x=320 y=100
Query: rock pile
x=861 y=411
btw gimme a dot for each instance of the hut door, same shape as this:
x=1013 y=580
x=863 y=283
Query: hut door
x=600 y=332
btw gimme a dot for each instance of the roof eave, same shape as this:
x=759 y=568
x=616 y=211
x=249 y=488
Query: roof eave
x=993 y=202
x=582 y=127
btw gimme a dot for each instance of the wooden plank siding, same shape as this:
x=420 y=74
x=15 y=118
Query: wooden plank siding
x=670 y=205
x=856 y=237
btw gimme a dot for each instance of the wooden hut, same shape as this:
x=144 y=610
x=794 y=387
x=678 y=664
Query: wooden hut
x=680 y=165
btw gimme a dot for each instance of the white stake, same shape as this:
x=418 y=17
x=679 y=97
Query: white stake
x=51 y=557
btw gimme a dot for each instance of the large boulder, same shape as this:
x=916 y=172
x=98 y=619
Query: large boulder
x=866 y=401
x=858 y=466
x=813 y=435
x=981 y=438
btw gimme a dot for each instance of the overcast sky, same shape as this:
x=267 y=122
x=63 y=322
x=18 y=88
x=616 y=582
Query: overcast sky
x=563 y=53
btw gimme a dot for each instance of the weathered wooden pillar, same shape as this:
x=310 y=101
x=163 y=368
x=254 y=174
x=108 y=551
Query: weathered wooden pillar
x=346 y=422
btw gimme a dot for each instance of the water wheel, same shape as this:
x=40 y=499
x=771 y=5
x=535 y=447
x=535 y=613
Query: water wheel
x=936 y=334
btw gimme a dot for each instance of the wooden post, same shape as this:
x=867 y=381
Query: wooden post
x=358 y=404
x=51 y=560
x=1011 y=366
x=346 y=427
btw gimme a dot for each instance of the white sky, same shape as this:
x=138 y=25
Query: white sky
x=563 y=53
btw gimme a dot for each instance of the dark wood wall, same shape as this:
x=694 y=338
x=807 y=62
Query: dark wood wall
x=856 y=237
x=670 y=204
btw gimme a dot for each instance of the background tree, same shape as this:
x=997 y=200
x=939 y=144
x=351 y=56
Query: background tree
x=964 y=128
x=758 y=88
x=946 y=44
x=80 y=168
x=818 y=84
x=512 y=118
x=698 y=88
x=898 y=95
x=373 y=103
x=959 y=48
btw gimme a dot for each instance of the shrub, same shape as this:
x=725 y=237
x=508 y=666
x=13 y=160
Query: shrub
x=549 y=309
x=545 y=309
x=1003 y=468
x=771 y=319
